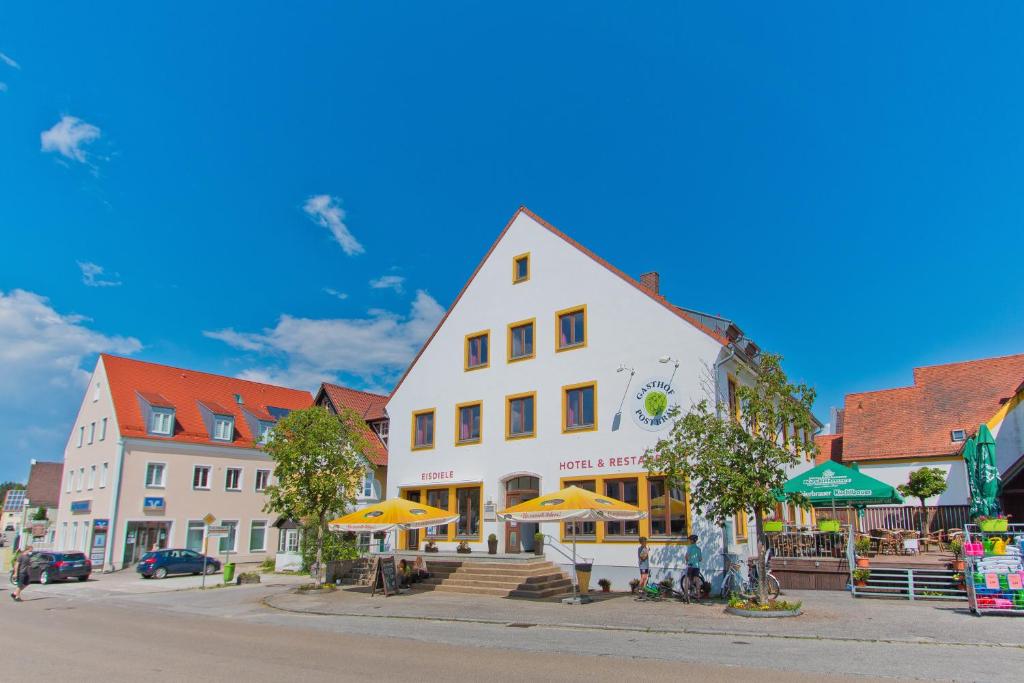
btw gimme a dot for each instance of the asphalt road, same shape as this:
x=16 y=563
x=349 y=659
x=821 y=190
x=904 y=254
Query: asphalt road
x=51 y=637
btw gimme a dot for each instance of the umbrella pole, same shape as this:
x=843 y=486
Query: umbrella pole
x=575 y=577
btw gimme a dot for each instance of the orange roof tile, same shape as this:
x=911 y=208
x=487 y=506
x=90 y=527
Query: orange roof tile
x=916 y=421
x=184 y=390
x=369 y=406
x=830 y=447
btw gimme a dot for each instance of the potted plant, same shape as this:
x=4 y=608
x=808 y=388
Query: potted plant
x=538 y=543
x=634 y=586
x=860 y=577
x=605 y=585
x=463 y=548
x=430 y=547
x=959 y=581
x=956 y=546
x=996 y=524
x=492 y=544
x=829 y=525
x=862 y=546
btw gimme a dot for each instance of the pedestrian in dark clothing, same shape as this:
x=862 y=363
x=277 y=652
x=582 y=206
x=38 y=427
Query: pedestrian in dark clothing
x=21 y=573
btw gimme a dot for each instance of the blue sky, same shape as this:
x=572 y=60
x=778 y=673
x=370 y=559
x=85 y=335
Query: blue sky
x=844 y=182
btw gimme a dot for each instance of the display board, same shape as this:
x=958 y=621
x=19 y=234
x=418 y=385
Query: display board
x=385 y=575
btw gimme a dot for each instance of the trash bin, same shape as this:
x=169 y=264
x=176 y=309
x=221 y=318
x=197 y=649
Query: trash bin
x=229 y=572
x=583 y=576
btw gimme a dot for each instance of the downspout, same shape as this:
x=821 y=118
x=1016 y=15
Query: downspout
x=115 y=499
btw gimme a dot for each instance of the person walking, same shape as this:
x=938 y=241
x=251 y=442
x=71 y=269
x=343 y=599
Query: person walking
x=693 y=560
x=644 y=559
x=21 y=573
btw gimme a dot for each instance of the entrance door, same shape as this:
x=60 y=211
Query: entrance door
x=519 y=535
x=412 y=536
x=513 y=530
x=143 y=537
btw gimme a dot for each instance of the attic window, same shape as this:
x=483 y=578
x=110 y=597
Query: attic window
x=161 y=421
x=521 y=268
x=223 y=428
x=958 y=435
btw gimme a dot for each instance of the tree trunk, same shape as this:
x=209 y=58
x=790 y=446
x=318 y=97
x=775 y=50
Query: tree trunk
x=924 y=515
x=762 y=572
x=317 y=580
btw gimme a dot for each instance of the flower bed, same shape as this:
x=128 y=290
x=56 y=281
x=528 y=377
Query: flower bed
x=772 y=608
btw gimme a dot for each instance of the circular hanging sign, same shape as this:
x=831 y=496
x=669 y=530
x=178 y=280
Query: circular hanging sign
x=651 y=403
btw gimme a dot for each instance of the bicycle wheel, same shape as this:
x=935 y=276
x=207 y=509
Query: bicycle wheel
x=773 y=587
x=727 y=586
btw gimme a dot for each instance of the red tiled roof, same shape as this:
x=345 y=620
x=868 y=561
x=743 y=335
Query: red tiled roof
x=369 y=406
x=916 y=421
x=184 y=390
x=830 y=447
x=44 y=480
x=156 y=400
x=675 y=310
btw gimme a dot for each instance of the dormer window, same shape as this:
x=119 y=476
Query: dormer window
x=223 y=428
x=958 y=435
x=161 y=421
x=265 y=429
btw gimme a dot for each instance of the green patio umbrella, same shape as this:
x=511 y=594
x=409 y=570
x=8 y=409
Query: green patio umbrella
x=988 y=472
x=832 y=484
x=971 y=465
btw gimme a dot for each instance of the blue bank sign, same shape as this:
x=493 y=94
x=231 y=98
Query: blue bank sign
x=81 y=506
x=153 y=504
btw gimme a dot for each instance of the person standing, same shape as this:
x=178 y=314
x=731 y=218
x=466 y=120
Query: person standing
x=21 y=573
x=693 y=558
x=644 y=560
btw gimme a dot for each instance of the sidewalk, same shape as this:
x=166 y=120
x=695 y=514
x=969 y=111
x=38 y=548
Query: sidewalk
x=827 y=616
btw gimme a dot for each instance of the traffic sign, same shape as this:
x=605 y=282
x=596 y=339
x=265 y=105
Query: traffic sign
x=209 y=519
x=217 y=531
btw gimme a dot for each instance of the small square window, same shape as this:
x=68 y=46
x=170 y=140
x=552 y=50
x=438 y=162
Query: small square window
x=423 y=429
x=579 y=408
x=478 y=353
x=521 y=268
x=571 y=329
x=201 y=477
x=958 y=435
x=233 y=479
x=155 y=475
x=520 y=340
x=468 y=423
x=262 y=479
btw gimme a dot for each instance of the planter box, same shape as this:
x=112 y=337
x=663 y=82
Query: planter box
x=828 y=525
x=757 y=614
x=994 y=525
x=773 y=526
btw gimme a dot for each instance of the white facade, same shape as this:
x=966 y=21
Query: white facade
x=624 y=326
x=898 y=473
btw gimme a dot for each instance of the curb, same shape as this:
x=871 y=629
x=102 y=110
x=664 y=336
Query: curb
x=267 y=602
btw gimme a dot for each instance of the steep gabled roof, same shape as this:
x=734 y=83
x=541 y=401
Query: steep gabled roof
x=369 y=406
x=184 y=390
x=916 y=421
x=44 y=480
x=675 y=310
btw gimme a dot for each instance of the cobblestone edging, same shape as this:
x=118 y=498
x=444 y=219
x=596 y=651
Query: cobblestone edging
x=268 y=602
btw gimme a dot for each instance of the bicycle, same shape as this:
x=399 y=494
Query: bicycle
x=692 y=587
x=734 y=582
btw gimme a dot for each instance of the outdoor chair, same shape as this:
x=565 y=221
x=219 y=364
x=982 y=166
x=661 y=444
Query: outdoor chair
x=889 y=543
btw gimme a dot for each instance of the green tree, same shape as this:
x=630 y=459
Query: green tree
x=319 y=461
x=737 y=463
x=922 y=484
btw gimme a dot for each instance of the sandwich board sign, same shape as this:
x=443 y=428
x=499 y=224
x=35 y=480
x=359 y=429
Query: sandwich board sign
x=384 y=575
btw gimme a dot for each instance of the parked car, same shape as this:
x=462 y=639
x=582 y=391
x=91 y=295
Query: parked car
x=160 y=563
x=47 y=566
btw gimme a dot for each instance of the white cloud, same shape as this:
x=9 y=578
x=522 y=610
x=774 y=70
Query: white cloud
x=394 y=282
x=3 y=87
x=42 y=353
x=302 y=352
x=68 y=136
x=92 y=274
x=326 y=210
x=335 y=293
x=9 y=62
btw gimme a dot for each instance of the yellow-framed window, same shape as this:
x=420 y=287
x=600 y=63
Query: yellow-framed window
x=571 y=328
x=734 y=398
x=520 y=268
x=439 y=498
x=521 y=416
x=469 y=423
x=579 y=407
x=740 y=525
x=477 y=351
x=465 y=500
x=668 y=510
x=423 y=428
x=469 y=526
x=626 y=489
x=522 y=337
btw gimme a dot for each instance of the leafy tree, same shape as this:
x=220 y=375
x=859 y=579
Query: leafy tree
x=319 y=462
x=738 y=462
x=40 y=515
x=922 y=484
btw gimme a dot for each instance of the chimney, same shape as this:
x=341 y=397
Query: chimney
x=651 y=282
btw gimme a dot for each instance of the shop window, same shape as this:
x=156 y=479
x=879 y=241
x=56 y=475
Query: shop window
x=229 y=543
x=258 y=536
x=477 y=350
x=194 y=535
x=571 y=329
x=520 y=415
x=521 y=268
x=423 y=429
x=667 y=510
x=520 y=340
x=468 y=423
x=584 y=530
x=579 y=407
x=468 y=526
x=628 y=491
x=438 y=498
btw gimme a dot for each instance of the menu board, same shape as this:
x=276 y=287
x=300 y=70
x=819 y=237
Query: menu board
x=385 y=575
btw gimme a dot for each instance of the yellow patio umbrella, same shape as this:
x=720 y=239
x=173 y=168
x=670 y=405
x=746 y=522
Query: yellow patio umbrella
x=678 y=506
x=572 y=504
x=391 y=513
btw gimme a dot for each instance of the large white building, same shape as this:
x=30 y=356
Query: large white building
x=538 y=377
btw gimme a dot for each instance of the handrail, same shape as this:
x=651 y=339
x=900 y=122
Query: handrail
x=552 y=542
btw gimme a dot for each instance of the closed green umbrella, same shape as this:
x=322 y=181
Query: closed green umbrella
x=988 y=480
x=971 y=465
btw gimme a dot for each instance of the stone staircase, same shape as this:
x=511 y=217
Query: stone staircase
x=358 y=574
x=534 y=578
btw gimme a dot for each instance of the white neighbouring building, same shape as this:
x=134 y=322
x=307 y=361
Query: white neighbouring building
x=156 y=448
x=539 y=376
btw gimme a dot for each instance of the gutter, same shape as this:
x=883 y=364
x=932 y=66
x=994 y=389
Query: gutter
x=114 y=502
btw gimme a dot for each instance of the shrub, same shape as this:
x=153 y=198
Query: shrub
x=861 y=574
x=863 y=546
x=336 y=547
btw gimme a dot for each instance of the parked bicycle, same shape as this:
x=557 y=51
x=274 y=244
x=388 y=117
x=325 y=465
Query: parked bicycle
x=748 y=588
